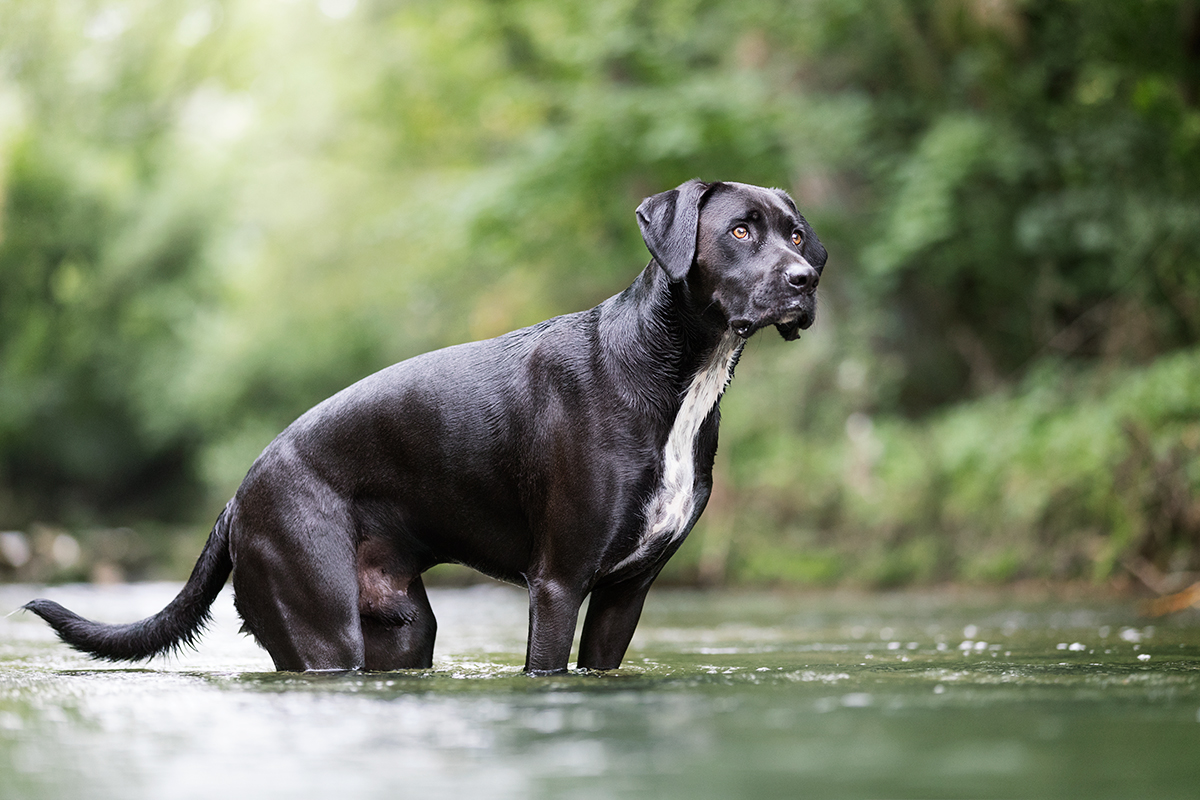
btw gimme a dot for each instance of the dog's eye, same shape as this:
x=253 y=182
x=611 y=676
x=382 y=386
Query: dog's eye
x=797 y=238
x=740 y=232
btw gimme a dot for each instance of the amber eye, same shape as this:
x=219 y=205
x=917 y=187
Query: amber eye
x=740 y=232
x=797 y=238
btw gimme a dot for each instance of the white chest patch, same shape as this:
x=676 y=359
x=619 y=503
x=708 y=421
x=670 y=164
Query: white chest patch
x=670 y=507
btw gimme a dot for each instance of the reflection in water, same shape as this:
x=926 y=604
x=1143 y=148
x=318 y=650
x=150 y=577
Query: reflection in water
x=724 y=695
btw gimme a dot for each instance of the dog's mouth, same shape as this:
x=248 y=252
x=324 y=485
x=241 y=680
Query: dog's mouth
x=789 y=325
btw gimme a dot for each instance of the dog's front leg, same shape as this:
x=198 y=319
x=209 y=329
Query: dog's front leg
x=612 y=616
x=553 y=611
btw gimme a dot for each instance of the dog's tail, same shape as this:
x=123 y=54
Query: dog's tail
x=177 y=625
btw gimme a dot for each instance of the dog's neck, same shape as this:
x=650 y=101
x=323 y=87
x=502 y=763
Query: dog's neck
x=656 y=327
x=670 y=338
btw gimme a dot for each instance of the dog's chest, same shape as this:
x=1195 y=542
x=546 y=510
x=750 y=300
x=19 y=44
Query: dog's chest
x=673 y=503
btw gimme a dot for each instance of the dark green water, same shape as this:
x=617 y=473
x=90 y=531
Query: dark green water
x=725 y=695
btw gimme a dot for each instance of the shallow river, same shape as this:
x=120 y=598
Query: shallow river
x=724 y=695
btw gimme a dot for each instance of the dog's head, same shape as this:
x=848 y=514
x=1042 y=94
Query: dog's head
x=746 y=249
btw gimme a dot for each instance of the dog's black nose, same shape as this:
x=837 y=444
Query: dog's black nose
x=803 y=277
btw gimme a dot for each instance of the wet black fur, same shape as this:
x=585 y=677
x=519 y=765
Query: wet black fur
x=529 y=457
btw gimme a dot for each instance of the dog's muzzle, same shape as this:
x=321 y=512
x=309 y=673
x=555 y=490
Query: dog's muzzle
x=791 y=306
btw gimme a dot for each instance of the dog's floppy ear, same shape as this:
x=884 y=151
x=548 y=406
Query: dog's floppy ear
x=668 y=222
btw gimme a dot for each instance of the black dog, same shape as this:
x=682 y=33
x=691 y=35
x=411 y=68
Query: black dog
x=571 y=457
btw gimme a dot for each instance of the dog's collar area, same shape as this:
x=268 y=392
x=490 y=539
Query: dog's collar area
x=671 y=509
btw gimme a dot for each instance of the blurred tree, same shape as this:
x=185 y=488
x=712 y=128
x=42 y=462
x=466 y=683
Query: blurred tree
x=216 y=213
x=101 y=244
x=1035 y=171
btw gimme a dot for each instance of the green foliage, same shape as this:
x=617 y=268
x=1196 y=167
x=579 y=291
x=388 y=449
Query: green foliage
x=217 y=212
x=103 y=235
x=1062 y=476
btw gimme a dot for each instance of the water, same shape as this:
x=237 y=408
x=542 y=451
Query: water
x=724 y=695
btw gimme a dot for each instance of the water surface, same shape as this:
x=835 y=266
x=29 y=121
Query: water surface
x=724 y=694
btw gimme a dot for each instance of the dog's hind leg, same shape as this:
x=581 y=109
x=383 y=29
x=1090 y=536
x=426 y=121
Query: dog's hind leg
x=398 y=625
x=296 y=587
x=304 y=625
x=612 y=616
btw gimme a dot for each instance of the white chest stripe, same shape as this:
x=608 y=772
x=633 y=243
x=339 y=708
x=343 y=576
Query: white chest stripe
x=671 y=506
